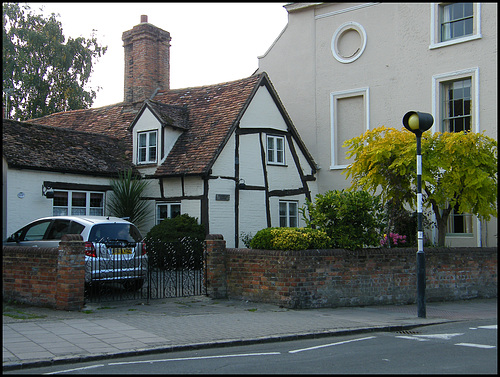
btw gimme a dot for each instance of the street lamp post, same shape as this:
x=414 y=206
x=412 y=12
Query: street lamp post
x=418 y=123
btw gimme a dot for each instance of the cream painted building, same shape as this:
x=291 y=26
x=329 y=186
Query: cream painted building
x=343 y=68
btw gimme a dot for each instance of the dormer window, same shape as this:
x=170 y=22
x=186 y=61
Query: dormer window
x=146 y=147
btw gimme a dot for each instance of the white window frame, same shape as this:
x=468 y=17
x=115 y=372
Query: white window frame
x=169 y=210
x=288 y=216
x=89 y=211
x=438 y=82
x=273 y=154
x=334 y=97
x=437 y=86
x=436 y=27
x=150 y=156
x=467 y=220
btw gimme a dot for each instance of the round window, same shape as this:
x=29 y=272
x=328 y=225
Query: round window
x=348 y=42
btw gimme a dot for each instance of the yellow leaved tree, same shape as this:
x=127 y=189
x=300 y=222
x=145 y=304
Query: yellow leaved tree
x=459 y=170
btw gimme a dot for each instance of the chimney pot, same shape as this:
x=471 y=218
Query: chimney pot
x=144 y=18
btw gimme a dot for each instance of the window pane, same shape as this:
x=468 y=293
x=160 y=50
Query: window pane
x=142 y=155
x=60 y=198
x=293 y=214
x=60 y=211
x=58 y=229
x=152 y=154
x=283 y=213
x=142 y=140
x=60 y=203
x=96 y=200
x=468 y=10
x=270 y=149
x=457 y=106
x=162 y=212
x=457 y=20
x=176 y=210
x=152 y=139
x=279 y=150
x=96 y=204
x=96 y=212
x=78 y=199
x=36 y=231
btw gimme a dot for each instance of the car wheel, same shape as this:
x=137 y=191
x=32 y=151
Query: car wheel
x=133 y=285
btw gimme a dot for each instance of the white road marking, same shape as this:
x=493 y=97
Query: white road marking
x=75 y=369
x=474 y=345
x=439 y=336
x=489 y=327
x=331 y=344
x=412 y=338
x=196 y=358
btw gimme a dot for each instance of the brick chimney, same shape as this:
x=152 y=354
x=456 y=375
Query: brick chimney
x=147 y=60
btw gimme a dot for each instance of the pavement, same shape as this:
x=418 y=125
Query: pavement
x=34 y=337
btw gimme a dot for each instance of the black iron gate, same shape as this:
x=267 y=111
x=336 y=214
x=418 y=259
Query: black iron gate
x=170 y=269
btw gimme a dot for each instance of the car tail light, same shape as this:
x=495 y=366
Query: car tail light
x=90 y=250
x=143 y=248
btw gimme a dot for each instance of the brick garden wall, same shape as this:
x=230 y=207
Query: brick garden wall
x=332 y=278
x=50 y=277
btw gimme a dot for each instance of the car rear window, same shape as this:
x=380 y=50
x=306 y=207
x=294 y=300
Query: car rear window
x=105 y=232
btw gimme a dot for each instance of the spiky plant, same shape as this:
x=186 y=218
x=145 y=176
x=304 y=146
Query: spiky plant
x=126 y=199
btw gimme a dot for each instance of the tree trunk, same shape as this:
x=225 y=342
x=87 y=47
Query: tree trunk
x=442 y=222
x=441 y=225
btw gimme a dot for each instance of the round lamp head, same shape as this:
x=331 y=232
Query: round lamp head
x=417 y=122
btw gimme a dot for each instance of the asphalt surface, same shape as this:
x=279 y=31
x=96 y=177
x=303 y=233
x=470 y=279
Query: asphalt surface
x=34 y=337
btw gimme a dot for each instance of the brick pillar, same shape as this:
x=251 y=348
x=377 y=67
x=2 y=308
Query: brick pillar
x=71 y=273
x=215 y=260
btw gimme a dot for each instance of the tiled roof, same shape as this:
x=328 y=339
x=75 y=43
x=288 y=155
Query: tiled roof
x=213 y=110
x=38 y=147
x=174 y=116
x=112 y=120
x=207 y=114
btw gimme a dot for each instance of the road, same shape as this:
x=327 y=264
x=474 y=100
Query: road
x=458 y=348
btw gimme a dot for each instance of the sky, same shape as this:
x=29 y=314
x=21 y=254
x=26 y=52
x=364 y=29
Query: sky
x=211 y=42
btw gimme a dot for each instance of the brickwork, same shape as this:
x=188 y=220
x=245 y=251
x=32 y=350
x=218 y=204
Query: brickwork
x=216 y=279
x=333 y=278
x=50 y=277
x=147 y=61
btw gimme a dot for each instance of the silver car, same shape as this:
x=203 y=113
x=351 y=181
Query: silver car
x=114 y=247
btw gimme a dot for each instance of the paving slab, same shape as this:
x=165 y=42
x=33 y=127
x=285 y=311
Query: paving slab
x=40 y=336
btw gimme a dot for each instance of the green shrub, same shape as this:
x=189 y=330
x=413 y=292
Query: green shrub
x=290 y=239
x=176 y=243
x=352 y=219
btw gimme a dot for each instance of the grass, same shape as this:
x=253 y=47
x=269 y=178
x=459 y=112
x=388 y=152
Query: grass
x=18 y=313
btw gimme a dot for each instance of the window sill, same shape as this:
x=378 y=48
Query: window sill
x=338 y=167
x=273 y=164
x=454 y=41
x=460 y=235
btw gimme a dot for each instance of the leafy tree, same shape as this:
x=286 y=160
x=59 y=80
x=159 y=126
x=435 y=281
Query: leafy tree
x=459 y=171
x=352 y=219
x=126 y=199
x=42 y=72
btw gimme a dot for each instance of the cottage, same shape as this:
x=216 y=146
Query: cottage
x=227 y=154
